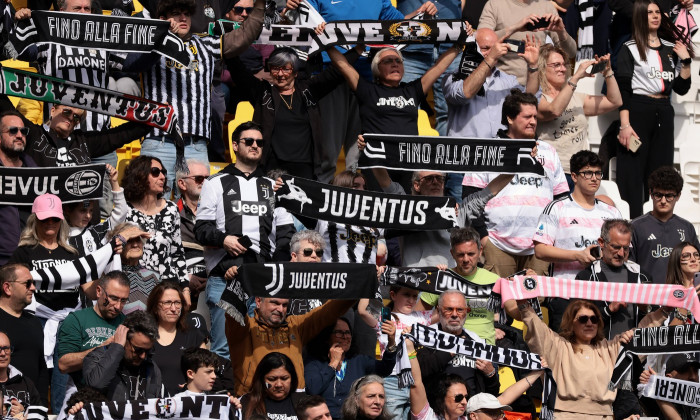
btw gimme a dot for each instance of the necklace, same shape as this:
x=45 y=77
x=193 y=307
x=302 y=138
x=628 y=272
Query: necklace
x=291 y=100
x=653 y=40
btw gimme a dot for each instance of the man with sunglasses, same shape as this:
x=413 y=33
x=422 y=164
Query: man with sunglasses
x=22 y=327
x=123 y=370
x=237 y=222
x=657 y=232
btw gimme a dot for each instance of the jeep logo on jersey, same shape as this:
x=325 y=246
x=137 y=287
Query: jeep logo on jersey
x=250 y=208
x=83 y=183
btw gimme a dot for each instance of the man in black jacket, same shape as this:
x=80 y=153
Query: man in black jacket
x=16 y=388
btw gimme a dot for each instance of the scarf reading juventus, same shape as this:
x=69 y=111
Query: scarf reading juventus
x=109 y=33
x=672 y=390
x=20 y=186
x=657 y=340
x=448 y=154
x=365 y=208
x=432 y=280
x=178 y=407
x=298 y=280
x=440 y=340
x=526 y=287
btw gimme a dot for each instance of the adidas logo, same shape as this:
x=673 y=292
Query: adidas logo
x=231 y=192
x=651 y=237
x=574 y=222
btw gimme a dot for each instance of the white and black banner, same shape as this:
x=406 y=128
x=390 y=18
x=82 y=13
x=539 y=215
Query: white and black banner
x=182 y=407
x=443 y=341
x=449 y=154
x=657 y=340
x=672 y=390
x=72 y=274
x=101 y=32
x=365 y=208
x=432 y=280
x=20 y=186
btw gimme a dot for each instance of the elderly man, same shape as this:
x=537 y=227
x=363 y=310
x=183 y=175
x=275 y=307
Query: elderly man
x=479 y=375
x=18 y=389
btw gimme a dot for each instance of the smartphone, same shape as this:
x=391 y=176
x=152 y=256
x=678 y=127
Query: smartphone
x=386 y=314
x=515 y=45
x=696 y=280
x=598 y=67
x=634 y=144
x=595 y=252
x=539 y=24
x=648 y=418
x=245 y=241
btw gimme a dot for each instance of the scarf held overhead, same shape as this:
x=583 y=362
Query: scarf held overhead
x=365 y=208
x=443 y=341
x=657 y=340
x=448 y=154
x=672 y=390
x=298 y=280
x=109 y=33
x=20 y=186
x=182 y=407
x=432 y=280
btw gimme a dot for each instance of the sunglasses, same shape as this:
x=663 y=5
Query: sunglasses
x=433 y=179
x=7 y=349
x=199 y=179
x=67 y=113
x=155 y=172
x=460 y=397
x=50 y=220
x=240 y=9
x=14 y=130
x=27 y=283
x=248 y=141
x=139 y=350
x=308 y=251
x=583 y=319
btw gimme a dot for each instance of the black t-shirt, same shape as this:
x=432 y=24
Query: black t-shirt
x=389 y=110
x=39 y=257
x=167 y=358
x=27 y=337
x=276 y=410
x=291 y=138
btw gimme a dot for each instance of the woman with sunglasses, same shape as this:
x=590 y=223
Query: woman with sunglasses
x=273 y=390
x=144 y=187
x=166 y=303
x=334 y=364
x=57 y=144
x=286 y=106
x=581 y=359
x=683 y=264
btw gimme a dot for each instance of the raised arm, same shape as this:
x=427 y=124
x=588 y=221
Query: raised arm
x=440 y=67
x=419 y=399
x=597 y=104
x=341 y=63
x=235 y=42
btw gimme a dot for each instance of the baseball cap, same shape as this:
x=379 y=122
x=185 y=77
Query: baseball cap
x=47 y=205
x=487 y=401
x=681 y=362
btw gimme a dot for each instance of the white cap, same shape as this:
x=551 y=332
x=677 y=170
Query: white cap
x=487 y=401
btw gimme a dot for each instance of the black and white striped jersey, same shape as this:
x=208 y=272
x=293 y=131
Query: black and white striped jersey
x=349 y=243
x=187 y=89
x=233 y=204
x=81 y=65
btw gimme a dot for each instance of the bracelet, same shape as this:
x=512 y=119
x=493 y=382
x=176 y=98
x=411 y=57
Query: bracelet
x=528 y=382
x=532 y=69
x=412 y=356
x=627 y=126
x=612 y=74
x=492 y=373
x=573 y=85
x=487 y=63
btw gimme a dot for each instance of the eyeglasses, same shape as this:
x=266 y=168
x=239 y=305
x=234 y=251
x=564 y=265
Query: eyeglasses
x=283 y=70
x=494 y=414
x=460 y=397
x=139 y=350
x=686 y=256
x=668 y=196
x=557 y=65
x=391 y=60
x=240 y=9
x=617 y=248
x=170 y=303
x=590 y=174
x=69 y=114
x=308 y=251
x=583 y=319
x=460 y=311
x=14 y=130
x=27 y=283
x=439 y=179
x=248 y=141
x=342 y=333
x=116 y=299
x=155 y=172
x=7 y=349
x=199 y=179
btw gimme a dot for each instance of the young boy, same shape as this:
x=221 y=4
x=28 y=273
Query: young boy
x=198 y=365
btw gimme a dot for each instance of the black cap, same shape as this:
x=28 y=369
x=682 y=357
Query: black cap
x=681 y=362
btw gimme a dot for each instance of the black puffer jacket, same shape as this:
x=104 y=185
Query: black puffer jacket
x=20 y=387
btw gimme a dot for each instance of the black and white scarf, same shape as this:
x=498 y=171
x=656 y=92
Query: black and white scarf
x=178 y=407
x=366 y=208
x=675 y=391
x=443 y=341
x=432 y=280
x=20 y=186
x=448 y=154
x=657 y=340
x=72 y=274
x=586 y=10
x=101 y=32
x=298 y=280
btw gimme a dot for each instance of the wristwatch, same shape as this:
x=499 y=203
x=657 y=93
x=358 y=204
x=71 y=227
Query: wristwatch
x=686 y=61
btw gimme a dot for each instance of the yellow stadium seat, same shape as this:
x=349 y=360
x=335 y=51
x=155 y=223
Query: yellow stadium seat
x=121 y=165
x=244 y=113
x=424 y=127
x=506 y=378
x=216 y=167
